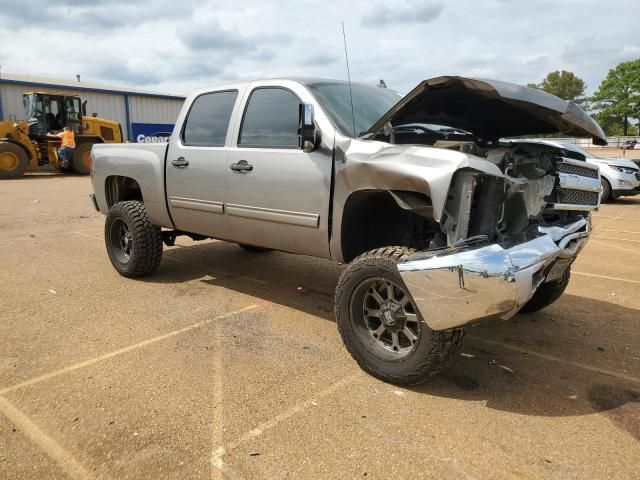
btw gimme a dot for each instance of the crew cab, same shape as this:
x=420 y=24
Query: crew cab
x=442 y=224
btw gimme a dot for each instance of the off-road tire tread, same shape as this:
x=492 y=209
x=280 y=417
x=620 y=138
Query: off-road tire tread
x=445 y=344
x=547 y=293
x=147 y=238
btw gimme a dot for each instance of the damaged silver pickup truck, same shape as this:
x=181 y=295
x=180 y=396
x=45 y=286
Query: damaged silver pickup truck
x=443 y=222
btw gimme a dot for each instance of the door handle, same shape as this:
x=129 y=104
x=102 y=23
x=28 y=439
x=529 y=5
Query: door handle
x=241 y=167
x=180 y=162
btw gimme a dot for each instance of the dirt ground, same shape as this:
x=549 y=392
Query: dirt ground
x=229 y=364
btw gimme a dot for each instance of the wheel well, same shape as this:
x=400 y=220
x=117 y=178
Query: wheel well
x=119 y=189
x=381 y=218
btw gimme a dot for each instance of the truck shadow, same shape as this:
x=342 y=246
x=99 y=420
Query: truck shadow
x=585 y=337
x=304 y=283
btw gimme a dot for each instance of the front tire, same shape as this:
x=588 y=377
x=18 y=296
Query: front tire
x=381 y=326
x=547 y=293
x=81 y=160
x=606 y=191
x=13 y=160
x=133 y=243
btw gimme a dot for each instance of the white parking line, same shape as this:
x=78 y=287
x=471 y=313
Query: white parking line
x=220 y=451
x=604 y=371
x=115 y=353
x=48 y=445
x=611 y=219
x=615 y=246
x=616 y=239
x=81 y=232
x=605 y=277
x=218 y=420
x=619 y=231
x=53 y=234
x=619 y=217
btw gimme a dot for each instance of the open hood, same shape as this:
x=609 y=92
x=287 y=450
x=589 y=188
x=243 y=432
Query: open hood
x=490 y=109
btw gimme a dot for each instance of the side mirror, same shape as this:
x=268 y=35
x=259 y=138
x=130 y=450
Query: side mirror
x=307 y=128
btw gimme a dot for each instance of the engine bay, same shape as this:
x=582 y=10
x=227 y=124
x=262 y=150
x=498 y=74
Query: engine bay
x=541 y=187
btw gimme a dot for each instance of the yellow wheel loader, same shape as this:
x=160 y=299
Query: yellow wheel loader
x=31 y=145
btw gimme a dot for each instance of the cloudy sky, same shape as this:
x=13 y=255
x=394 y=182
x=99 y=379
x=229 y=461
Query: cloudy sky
x=174 y=46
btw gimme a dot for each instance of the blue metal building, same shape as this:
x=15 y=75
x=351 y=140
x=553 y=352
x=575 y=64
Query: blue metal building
x=141 y=114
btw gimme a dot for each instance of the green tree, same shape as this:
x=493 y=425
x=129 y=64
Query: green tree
x=612 y=126
x=618 y=97
x=564 y=84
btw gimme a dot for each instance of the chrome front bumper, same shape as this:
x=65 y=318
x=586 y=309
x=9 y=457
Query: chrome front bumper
x=458 y=287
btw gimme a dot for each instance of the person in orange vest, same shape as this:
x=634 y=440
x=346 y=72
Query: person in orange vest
x=67 y=146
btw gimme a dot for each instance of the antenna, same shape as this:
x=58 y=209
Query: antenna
x=346 y=55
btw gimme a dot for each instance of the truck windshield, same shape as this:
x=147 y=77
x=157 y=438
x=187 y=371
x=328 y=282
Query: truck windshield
x=369 y=104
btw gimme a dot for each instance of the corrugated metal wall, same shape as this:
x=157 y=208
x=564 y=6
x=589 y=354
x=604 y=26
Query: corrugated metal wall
x=106 y=105
x=154 y=110
x=142 y=109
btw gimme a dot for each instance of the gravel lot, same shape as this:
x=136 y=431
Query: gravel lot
x=229 y=364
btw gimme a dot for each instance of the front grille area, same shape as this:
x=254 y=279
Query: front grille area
x=577 y=170
x=577 y=186
x=577 y=197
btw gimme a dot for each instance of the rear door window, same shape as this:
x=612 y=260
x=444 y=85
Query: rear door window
x=270 y=119
x=208 y=119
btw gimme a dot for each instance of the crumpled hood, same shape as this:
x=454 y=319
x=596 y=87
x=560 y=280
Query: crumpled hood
x=490 y=109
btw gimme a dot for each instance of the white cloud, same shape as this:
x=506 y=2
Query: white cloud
x=177 y=46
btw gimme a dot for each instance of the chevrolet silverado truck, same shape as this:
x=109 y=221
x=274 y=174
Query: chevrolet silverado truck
x=441 y=222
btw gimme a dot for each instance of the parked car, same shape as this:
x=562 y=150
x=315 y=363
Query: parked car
x=629 y=144
x=619 y=177
x=441 y=224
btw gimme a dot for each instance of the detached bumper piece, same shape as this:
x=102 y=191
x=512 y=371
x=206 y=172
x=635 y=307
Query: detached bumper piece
x=455 y=288
x=94 y=202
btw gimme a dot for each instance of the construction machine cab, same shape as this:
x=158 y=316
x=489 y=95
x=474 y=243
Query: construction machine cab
x=49 y=113
x=25 y=145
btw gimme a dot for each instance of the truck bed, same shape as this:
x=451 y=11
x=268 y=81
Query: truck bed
x=142 y=162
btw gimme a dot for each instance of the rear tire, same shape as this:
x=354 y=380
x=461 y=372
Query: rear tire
x=547 y=293
x=606 y=191
x=133 y=243
x=13 y=160
x=81 y=160
x=374 y=308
